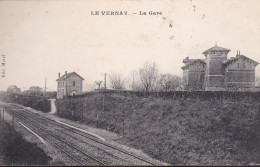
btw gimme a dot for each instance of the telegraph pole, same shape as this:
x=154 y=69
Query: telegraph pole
x=133 y=81
x=105 y=81
x=45 y=86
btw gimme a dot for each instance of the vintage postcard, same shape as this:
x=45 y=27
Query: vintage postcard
x=129 y=82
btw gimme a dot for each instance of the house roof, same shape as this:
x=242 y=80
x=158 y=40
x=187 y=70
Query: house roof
x=216 y=48
x=233 y=59
x=192 y=62
x=34 y=88
x=12 y=87
x=63 y=77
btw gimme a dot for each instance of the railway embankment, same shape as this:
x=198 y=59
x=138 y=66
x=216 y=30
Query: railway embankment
x=15 y=150
x=180 y=130
x=177 y=131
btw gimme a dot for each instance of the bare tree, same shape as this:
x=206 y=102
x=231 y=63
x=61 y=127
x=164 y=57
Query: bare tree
x=168 y=82
x=148 y=75
x=117 y=81
x=98 y=84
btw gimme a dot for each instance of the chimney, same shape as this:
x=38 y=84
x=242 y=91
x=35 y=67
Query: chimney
x=237 y=52
x=186 y=60
x=65 y=72
x=59 y=75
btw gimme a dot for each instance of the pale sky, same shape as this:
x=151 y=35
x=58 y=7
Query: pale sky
x=42 y=38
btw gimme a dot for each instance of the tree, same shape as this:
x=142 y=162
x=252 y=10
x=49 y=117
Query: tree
x=148 y=75
x=117 y=81
x=168 y=82
x=98 y=84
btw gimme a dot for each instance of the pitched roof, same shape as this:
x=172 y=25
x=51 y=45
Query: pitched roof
x=12 y=87
x=63 y=77
x=216 y=48
x=32 y=87
x=192 y=62
x=237 y=57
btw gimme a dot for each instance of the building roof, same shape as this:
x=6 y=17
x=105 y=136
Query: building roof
x=187 y=60
x=63 y=77
x=233 y=59
x=32 y=87
x=216 y=48
x=192 y=62
x=12 y=87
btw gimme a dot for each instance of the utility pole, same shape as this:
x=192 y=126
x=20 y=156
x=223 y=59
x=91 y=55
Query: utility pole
x=133 y=81
x=105 y=83
x=45 y=86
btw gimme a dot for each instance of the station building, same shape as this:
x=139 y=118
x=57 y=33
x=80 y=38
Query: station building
x=217 y=73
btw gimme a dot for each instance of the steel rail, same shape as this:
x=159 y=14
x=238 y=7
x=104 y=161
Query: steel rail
x=87 y=136
x=63 y=141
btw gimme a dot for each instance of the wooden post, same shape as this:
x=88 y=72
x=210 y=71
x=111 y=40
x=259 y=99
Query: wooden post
x=13 y=122
x=123 y=126
x=103 y=104
x=97 y=120
x=105 y=81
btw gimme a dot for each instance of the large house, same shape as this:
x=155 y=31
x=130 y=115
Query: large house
x=69 y=84
x=216 y=72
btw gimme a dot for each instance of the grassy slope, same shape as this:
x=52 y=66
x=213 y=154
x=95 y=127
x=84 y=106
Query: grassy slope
x=180 y=132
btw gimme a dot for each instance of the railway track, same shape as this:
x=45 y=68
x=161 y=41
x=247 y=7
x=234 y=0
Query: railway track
x=87 y=136
x=80 y=156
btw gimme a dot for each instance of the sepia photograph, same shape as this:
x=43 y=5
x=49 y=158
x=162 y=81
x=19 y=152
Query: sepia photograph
x=129 y=82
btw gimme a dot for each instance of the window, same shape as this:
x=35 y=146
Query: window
x=244 y=65
x=74 y=83
x=237 y=65
x=217 y=53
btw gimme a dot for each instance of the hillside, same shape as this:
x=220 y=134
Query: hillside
x=179 y=132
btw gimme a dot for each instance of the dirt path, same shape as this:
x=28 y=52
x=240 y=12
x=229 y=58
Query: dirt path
x=53 y=106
